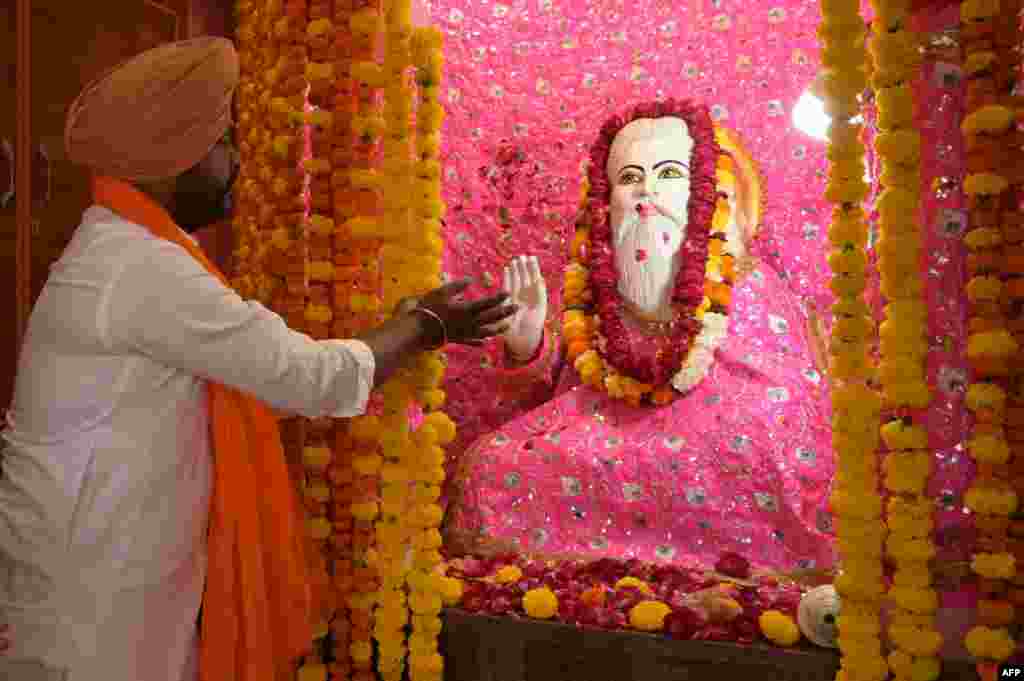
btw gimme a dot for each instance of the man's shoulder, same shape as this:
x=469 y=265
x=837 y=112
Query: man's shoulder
x=104 y=232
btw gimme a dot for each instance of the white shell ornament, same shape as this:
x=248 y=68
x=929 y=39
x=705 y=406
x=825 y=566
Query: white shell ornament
x=818 y=615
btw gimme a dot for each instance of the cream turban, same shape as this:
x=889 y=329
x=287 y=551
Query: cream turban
x=157 y=114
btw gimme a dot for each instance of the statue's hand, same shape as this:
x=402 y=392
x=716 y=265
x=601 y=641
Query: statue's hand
x=525 y=285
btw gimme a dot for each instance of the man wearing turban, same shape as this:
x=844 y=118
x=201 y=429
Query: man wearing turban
x=143 y=473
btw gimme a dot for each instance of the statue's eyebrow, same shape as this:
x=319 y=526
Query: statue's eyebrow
x=671 y=161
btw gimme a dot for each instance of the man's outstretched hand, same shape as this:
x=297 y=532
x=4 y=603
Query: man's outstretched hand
x=467 y=322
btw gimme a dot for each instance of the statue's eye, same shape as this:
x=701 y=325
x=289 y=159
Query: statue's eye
x=671 y=173
x=630 y=178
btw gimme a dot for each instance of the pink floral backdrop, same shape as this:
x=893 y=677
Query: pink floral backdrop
x=529 y=82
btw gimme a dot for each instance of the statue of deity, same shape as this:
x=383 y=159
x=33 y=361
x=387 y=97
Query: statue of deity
x=678 y=412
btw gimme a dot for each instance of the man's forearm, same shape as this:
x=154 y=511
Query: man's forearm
x=395 y=342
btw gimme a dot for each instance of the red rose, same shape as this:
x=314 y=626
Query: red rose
x=683 y=622
x=733 y=565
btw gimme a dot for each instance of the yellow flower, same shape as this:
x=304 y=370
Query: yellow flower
x=858 y=625
x=984 y=289
x=451 y=591
x=994 y=565
x=906 y=175
x=907 y=472
x=847 y=286
x=364 y=511
x=916 y=600
x=991 y=501
x=425 y=603
x=852 y=587
x=977 y=10
x=649 y=615
x=895 y=203
x=320 y=528
x=997 y=343
x=913 y=574
x=632 y=582
x=910 y=525
x=982 y=238
x=508 y=575
x=992 y=120
x=918 y=641
x=895 y=106
x=312 y=672
x=430 y=664
x=985 y=396
x=428 y=625
x=444 y=426
x=899 y=435
x=895 y=49
x=779 y=628
x=867 y=506
x=925 y=669
x=992 y=644
x=900 y=664
x=367 y=465
x=427 y=515
x=987 y=184
x=904 y=549
x=989 y=449
x=865 y=668
x=977 y=62
x=899 y=146
x=846 y=190
x=540 y=603
x=361 y=651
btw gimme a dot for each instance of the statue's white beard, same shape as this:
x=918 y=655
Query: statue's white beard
x=647 y=283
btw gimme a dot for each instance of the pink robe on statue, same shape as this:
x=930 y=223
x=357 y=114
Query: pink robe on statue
x=742 y=463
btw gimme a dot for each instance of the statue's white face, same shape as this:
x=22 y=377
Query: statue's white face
x=649 y=172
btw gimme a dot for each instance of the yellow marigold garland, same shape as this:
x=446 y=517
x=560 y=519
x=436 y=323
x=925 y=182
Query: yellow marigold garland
x=988 y=35
x=855 y=501
x=908 y=462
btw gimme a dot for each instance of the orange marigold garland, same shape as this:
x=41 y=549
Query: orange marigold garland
x=989 y=34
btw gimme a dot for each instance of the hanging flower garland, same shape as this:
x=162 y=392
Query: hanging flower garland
x=358 y=30
x=989 y=34
x=701 y=292
x=437 y=430
x=855 y=501
x=902 y=372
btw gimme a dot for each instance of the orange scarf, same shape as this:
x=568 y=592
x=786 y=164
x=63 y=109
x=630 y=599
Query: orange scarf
x=266 y=585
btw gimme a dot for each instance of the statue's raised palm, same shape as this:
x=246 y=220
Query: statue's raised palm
x=525 y=284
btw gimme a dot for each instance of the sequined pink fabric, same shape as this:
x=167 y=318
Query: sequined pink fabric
x=527 y=84
x=740 y=464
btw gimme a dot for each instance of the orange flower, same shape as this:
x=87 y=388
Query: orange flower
x=577 y=347
x=993 y=613
x=594 y=596
x=718 y=292
x=663 y=395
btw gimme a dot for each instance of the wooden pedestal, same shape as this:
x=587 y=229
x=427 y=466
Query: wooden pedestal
x=484 y=648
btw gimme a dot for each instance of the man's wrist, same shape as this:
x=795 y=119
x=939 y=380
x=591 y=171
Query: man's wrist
x=432 y=332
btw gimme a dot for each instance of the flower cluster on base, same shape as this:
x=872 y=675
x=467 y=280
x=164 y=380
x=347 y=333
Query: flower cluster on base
x=680 y=601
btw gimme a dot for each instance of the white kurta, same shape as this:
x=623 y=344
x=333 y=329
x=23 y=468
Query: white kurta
x=107 y=470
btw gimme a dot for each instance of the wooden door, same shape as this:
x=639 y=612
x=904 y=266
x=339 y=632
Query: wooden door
x=71 y=43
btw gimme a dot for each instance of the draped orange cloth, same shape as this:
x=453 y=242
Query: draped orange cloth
x=266 y=586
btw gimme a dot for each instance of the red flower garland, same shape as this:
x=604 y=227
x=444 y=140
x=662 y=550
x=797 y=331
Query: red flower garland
x=688 y=291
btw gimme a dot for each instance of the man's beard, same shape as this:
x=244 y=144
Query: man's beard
x=645 y=254
x=198 y=203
